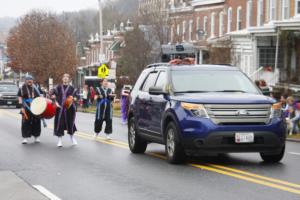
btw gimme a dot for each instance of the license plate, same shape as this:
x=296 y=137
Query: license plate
x=9 y=102
x=244 y=137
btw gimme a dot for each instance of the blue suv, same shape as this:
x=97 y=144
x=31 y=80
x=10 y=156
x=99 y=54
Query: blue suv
x=203 y=109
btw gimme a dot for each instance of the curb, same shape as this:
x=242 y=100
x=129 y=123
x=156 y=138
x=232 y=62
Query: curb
x=293 y=140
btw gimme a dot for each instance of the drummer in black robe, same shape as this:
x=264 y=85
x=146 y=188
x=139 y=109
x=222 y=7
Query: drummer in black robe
x=104 y=109
x=31 y=125
x=65 y=115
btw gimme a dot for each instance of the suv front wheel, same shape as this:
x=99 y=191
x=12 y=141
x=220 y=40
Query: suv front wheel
x=273 y=158
x=136 y=144
x=174 y=150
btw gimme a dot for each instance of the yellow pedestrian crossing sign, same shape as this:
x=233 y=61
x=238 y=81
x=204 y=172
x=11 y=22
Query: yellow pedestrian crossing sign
x=103 y=71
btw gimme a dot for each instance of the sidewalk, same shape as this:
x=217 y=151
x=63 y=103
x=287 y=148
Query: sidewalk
x=293 y=140
x=14 y=188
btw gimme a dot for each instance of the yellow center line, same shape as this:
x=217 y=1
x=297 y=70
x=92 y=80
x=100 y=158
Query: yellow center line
x=255 y=175
x=102 y=141
x=249 y=179
x=228 y=171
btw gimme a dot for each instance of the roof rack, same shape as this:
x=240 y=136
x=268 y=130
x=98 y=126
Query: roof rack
x=158 y=65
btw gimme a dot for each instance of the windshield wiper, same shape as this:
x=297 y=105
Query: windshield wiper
x=231 y=91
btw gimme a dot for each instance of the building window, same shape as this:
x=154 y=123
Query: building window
x=239 y=19
x=249 y=13
x=267 y=57
x=183 y=30
x=205 y=25
x=285 y=9
x=272 y=10
x=197 y=27
x=297 y=7
x=229 y=20
x=221 y=24
x=190 y=30
x=260 y=12
x=212 y=25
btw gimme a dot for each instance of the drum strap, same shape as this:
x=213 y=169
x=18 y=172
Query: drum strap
x=37 y=90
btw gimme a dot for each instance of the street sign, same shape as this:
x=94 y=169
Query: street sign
x=103 y=71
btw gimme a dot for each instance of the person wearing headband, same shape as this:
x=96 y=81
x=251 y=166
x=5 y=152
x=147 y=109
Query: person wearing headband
x=31 y=125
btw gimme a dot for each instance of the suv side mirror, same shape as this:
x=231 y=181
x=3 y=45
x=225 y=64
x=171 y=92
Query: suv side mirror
x=157 y=91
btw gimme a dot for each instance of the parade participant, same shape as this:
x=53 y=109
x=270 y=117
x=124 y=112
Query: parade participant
x=65 y=95
x=124 y=103
x=31 y=125
x=104 y=97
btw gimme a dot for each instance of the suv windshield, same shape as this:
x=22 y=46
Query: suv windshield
x=195 y=81
x=8 y=88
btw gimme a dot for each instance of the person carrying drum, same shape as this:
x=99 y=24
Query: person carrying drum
x=65 y=95
x=31 y=125
x=104 y=96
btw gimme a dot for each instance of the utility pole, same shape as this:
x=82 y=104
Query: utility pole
x=101 y=56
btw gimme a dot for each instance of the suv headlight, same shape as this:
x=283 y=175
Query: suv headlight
x=276 y=111
x=197 y=110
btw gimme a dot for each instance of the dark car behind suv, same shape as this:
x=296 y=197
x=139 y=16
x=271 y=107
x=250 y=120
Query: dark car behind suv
x=8 y=94
x=203 y=109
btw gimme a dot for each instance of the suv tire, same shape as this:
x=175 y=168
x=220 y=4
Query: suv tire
x=135 y=142
x=273 y=158
x=174 y=150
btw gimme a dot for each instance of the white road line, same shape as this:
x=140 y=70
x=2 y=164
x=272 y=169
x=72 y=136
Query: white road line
x=294 y=153
x=46 y=192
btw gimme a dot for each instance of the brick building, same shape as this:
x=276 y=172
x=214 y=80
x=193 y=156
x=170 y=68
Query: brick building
x=256 y=31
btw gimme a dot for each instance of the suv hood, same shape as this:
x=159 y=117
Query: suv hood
x=224 y=98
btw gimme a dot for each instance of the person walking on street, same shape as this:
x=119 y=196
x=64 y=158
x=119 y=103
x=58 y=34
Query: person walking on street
x=65 y=95
x=104 y=96
x=31 y=125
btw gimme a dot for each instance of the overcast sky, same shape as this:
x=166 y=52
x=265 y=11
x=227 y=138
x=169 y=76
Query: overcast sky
x=16 y=8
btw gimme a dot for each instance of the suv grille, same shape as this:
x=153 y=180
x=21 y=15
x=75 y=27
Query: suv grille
x=9 y=97
x=231 y=114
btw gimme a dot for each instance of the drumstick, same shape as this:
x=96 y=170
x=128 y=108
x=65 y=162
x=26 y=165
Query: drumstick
x=24 y=114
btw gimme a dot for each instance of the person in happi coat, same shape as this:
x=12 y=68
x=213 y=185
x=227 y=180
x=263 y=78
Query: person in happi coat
x=31 y=125
x=104 y=97
x=65 y=95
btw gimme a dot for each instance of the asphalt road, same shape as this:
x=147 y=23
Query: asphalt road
x=97 y=169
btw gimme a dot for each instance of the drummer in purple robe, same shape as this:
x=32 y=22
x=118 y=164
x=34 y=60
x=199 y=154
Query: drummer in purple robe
x=31 y=125
x=66 y=96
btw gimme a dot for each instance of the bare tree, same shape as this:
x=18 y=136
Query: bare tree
x=155 y=18
x=43 y=46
